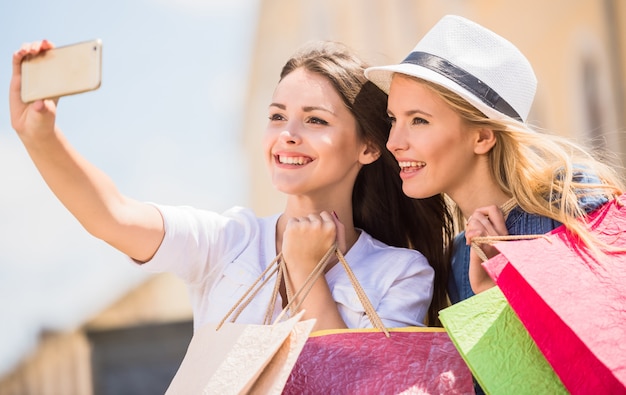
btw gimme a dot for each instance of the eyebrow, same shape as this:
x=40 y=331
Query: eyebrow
x=305 y=108
x=411 y=112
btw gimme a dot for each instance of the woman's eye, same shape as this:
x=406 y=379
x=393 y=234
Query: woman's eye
x=317 y=121
x=391 y=120
x=276 y=117
x=419 y=121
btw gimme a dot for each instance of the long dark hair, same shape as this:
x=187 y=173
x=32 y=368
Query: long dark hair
x=379 y=206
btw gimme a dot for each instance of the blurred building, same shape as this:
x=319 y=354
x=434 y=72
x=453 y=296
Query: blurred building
x=578 y=50
x=133 y=347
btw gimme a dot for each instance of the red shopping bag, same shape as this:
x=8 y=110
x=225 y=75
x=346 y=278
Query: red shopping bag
x=573 y=305
x=411 y=360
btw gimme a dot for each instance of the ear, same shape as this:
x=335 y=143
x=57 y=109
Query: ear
x=484 y=141
x=369 y=154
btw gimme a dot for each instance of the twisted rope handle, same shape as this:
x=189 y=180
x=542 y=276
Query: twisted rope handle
x=506 y=209
x=476 y=241
x=307 y=285
x=367 y=305
x=278 y=267
x=243 y=302
x=316 y=273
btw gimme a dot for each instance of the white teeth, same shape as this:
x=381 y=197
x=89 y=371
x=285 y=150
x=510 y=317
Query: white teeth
x=293 y=160
x=404 y=164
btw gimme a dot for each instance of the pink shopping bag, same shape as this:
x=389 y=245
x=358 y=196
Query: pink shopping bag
x=573 y=306
x=411 y=360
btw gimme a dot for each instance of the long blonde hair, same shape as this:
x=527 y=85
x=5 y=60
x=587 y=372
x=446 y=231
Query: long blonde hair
x=538 y=169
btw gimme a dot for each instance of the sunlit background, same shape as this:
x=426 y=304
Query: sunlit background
x=178 y=120
x=165 y=125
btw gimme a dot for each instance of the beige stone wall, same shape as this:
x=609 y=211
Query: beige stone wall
x=163 y=298
x=60 y=365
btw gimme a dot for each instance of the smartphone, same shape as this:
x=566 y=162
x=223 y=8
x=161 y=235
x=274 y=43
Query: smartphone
x=62 y=71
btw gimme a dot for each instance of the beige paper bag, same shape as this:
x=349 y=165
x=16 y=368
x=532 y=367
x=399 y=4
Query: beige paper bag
x=241 y=358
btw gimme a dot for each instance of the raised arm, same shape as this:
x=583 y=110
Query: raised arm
x=132 y=227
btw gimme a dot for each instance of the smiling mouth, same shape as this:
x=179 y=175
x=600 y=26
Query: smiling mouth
x=293 y=160
x=407 y=166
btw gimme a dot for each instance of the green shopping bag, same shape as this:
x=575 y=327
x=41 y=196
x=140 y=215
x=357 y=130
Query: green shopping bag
x=497 y=347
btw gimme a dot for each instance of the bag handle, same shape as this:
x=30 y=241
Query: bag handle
x=477 y=241
x=317 y=272
x=279 y=267
x=256 y=286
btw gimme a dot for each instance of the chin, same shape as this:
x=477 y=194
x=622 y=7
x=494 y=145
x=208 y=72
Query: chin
x=286 y=189
x=416 y=193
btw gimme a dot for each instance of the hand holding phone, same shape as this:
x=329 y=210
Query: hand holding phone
x=62 y=71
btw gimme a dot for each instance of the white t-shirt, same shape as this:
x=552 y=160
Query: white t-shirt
x=219 y=256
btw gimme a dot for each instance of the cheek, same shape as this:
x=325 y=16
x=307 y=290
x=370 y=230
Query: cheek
x=345 y=146
x=442 y=144
x=268 y=140
x=433 y=148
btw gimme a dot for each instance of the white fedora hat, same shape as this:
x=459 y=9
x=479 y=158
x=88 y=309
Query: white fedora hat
x=472 y=61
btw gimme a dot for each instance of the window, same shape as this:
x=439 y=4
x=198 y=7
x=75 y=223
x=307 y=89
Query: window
x=138 y=360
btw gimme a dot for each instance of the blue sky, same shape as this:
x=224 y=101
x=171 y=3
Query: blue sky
x=165 y=126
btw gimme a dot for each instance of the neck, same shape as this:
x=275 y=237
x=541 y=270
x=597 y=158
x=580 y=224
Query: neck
x=480 y=195
x=479 y=189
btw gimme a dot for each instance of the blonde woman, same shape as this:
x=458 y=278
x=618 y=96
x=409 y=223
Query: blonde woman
x=458 y=105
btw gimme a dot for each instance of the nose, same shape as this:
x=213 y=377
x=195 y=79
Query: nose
x=289 y=136
x=397 y=139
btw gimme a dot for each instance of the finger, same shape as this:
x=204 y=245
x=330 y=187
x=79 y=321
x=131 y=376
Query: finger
x=314 y=219
x=40 y=46
x=17 y=61
x=495 y=218
x=485 y=221
x=39 y=105
x=341 y=233
x=490 y=211
x=478 y=220
x=46 y=45
x=292 y=223
x=327 y=218
x=35 y=48
x=327 y=221
x=28 y=49
x=44 y=106
x=478 y=225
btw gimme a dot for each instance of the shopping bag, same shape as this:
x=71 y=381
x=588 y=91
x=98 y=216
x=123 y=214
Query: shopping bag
x=411 y=360
x=497 y=348
x=232 y=358
x=573 y=305
x=241 y=358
